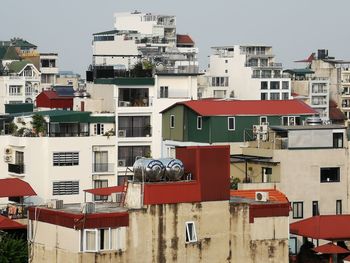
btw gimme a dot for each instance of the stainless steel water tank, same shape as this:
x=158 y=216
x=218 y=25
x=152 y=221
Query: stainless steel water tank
x=153 y=170
x=174 y=169
x=313 y=121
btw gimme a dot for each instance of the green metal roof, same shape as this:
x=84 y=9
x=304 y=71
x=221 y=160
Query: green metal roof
x=18 y=108
x=127 y=81
x=299 y=71
x=110 y=32
x=8 y=53
x=18 y=42
x=17 y=66
x=102 y=119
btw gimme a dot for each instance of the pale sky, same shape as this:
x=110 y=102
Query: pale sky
x=294 y=28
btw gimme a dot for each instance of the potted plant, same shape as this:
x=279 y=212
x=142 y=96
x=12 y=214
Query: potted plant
x=147 y=129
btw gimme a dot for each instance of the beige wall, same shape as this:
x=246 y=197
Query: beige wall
x=157 y=234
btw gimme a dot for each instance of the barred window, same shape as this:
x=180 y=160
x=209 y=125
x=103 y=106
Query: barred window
x=65 y=158
x=65 y=188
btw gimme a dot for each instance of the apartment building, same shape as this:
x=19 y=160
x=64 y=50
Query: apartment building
x=245 y=72
x=48 y=69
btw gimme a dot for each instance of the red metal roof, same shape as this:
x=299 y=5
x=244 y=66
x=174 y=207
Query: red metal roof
x=184 y=39
x=6 y=223
x=212 y=107
x=15 y=187
x=51 y=94
x=335 y=114
x=330 y=248
x=105 y=190
x=274 y=195
x=328 y=227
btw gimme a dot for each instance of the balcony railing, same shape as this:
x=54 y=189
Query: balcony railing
x=134 y=131
x=103 y=167
x=16 y=168
x=68 y=134
x=269 y=65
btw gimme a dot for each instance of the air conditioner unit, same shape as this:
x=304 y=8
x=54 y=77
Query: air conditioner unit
x=8 y=158
x=262 y=196
x=122 y=163
x=8 y=151
x=57 y=204
x=88 y=208
x=121 y=133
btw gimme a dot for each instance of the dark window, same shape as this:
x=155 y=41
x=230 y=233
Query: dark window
x=315 y=209
x=172 y=121
x=339 y=207
x=263 y=84
x=100 y=184
x=134 y=126
x=164 y=91
x=337 y=140
x=274 y=85
x=65 y=188
x=128 y=154
x=199 y=123
x=65 y=158
x=330 y=175
x=191 y=235
x=298 y=210
x=293 y=245
x=231 y=123
x=264 y=96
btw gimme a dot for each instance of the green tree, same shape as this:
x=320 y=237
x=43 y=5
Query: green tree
x=13 y=249
x=39 y=124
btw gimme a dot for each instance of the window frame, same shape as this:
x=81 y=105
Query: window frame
x=262 y=122
x=295 y=244
x=96 y=240
x=172 y=121
x=295 y=211
x=329 y=168
x=228 y=123
x=199 y=122
x=109 y=239
x=315 y=212
x=62 y=156
x=59 y=192
x=164 y=92
x=189 y=239
x=339 y=209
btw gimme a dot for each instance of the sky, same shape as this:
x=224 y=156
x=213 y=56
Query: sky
x=295 y=28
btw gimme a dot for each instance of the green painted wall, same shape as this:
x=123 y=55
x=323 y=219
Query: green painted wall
x=176 y=133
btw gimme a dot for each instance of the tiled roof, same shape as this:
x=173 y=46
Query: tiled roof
x=6 y=224
x=11 y=187
x=335 y=114
x=18 y=66
x=274 y=195
x=184 y=39
x=328 y=227
x=212 y=107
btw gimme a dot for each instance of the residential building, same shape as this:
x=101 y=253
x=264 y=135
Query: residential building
x=59 y=97
x=76 y=152
x=308 y=163
x=313 y=90
x=233 y=122
x=191 y=220
x=65 y=78
x=48 y=69
x=245 y=72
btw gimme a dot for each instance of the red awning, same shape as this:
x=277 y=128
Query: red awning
x=330 y=248
x=328 y=227
x=105 y=190
x=6 y=224
x=12 y=187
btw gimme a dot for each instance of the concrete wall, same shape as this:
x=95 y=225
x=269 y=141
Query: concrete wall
x=157 y=234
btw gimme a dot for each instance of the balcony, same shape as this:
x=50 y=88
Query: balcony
x=135 y=131
x=133 y=98
x=103 y=167
x=269 y=65
x=16 y=168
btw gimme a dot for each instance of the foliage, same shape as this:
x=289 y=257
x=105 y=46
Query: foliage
x=234 y=183
x=12 y=128
x=13 y=249
x=140 y=71
x=39 y=124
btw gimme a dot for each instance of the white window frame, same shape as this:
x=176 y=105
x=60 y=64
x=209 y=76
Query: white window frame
x=96 y=240
x=192 y=239
x=164 y=92
x=199 y=122
x=109 y=239
x=263 y=122
x=172 y=121
x=228 y=123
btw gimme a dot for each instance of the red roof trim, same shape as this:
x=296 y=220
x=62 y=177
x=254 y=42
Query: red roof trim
x=105 y=190
x=7 y=224
x=12 y=187
x=330 y=248
x=79 y=221
x=268 y=210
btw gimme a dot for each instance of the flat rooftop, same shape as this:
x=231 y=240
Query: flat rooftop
x=100 y=207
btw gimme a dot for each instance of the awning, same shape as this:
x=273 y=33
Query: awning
x=330 y=248
x=327 y=227
x=105 y=190
x=7 y=224
x=13 y=187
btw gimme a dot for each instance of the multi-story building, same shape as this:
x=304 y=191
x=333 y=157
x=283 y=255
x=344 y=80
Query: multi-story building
x=143 y=36
x=76 y=152
x=308 y=163
x=69 y=78
x=313 y=90
x=48 y=69
x=245 y=72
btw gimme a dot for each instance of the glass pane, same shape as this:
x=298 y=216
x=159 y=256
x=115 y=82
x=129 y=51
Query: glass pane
x=90 y=237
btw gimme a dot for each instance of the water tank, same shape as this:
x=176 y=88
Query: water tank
x=153 y=170
x=313 y=121
x=174 y=169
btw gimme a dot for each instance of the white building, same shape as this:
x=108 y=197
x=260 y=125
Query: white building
x=245 y=72
x=48 y=68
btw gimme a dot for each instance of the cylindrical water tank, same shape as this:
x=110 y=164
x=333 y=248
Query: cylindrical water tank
x=313 y=121
x=148 y=170
x=174 y=168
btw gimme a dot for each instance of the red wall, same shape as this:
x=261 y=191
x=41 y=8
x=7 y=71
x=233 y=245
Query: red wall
x=42 y=100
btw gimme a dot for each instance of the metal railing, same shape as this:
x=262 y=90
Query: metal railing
x=103 y=167
x=16 y=168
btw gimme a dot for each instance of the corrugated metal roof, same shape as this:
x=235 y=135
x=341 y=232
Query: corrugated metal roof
x=184 y=39
x=330 y=248
x=105 y=190
x=212 y=107
x=12 y=187
x=274 y=195
x=6 y=224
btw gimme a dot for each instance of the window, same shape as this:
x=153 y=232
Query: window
x=172 y=121
x=164 y=91
x=65 y=188
x=104 y=239
x=297 y=210
x=264 y=96
x=263 y=120
x=339 y=207
x=338 y=140
x=101 y=162
x=315 y=209
x=226 y=61
x=330 y=175
x=274 y=96
x=100 y=184
x=226 y=71
x=191 y=235
x=199 y=123
x=128 y=154
x=285 y=96
x=65 y=158
x=293 y=245
x=219 y=81
x=290 y=120
x=90 y=240
x=98 y=129
x=274 y=85
x=134 y=126
x=285 y=85
x=220 y=94
x=231 y=123
x=15 y=90
x=266 y=174
x=19 y=158
x=263 y=84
